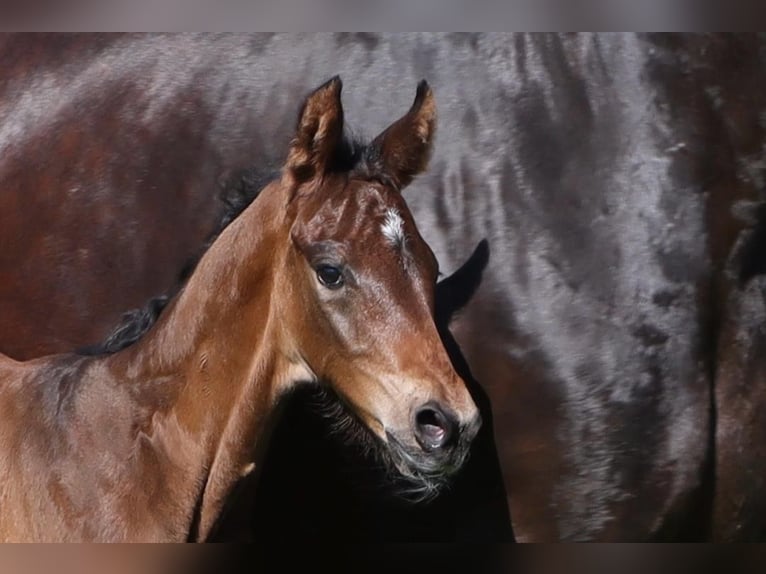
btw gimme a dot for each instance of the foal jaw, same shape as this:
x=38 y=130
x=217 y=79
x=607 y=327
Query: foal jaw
x=297 y=371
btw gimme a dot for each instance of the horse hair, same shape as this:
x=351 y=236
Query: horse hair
x=236 y=195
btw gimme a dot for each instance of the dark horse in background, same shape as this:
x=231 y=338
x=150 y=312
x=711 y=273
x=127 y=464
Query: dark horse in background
x=620 y=326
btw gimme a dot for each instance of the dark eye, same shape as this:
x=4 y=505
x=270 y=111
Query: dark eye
x=330 y=276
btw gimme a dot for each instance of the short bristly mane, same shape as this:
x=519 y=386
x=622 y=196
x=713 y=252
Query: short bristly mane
x=236 y=196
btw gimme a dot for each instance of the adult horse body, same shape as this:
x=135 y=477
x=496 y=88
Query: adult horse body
x=323 y=278
x=600 y=168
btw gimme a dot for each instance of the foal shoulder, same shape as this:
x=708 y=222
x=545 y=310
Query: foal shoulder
x=41 y=380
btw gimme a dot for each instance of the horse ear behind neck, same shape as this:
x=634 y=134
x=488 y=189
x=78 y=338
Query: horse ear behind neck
x=403 y=150
x=456 y=291
x=318 y=134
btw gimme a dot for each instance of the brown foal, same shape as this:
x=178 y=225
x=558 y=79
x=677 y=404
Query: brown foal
x=324 y=279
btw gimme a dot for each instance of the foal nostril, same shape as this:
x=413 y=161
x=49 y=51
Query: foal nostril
x=433 y=427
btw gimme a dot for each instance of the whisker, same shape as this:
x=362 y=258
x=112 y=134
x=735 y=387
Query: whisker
x=415 y=479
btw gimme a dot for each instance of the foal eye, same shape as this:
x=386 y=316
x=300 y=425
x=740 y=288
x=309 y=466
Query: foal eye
x=330 y=276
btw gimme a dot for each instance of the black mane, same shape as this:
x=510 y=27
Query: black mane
x=236 y=196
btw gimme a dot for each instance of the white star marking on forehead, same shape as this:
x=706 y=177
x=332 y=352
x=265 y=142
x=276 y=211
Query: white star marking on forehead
x=393 y=228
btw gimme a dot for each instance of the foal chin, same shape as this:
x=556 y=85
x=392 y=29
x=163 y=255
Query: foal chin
x=381 y=412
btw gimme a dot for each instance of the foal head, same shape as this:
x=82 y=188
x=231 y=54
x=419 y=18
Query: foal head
x=364 y=280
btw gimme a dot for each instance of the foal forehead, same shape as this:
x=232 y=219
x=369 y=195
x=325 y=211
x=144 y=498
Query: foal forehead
x=372 y=217
x=383 y=216
x=389 y=227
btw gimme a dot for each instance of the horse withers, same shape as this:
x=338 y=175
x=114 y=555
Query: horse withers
x=324 y=279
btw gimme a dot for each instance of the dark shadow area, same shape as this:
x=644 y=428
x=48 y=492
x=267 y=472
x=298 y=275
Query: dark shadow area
x=752 y=257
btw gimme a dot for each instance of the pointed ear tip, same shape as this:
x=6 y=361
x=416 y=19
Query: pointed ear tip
x=336 y=83
x=423 y=92
x=326 y=98
x=483 y=249
x=333 y=86
x=480 y=256
x=424 y=103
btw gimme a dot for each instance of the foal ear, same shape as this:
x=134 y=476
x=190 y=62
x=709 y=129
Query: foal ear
x=319 y=131
x=402 y=151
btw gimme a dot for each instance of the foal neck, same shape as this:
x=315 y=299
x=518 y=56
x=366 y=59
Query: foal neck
x=214 y=366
